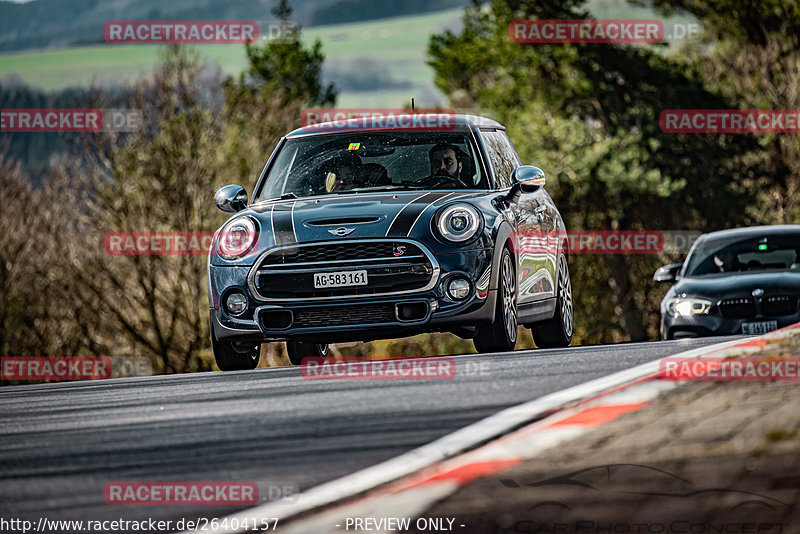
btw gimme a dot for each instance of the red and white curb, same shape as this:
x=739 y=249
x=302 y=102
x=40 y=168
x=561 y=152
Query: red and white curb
x=407 y=485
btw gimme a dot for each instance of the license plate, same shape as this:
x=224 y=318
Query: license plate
x=340 y=279
x=759 y=328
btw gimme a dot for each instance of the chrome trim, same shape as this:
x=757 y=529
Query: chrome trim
x=289 y=267
x=342 y=231
x=251 y=283
x=325 y=268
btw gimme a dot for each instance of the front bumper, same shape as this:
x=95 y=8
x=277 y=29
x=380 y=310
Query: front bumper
x=357 y=318
x=714 y=324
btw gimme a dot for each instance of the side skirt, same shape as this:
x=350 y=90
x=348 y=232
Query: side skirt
x=541 y=310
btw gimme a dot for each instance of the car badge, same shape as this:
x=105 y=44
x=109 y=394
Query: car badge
x=341 y=231
x=758 y=292
x=399 y=250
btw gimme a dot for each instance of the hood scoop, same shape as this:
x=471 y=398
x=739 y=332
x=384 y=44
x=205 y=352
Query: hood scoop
x=343 y=220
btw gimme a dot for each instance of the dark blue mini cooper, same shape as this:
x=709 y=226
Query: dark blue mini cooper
x=369 y=231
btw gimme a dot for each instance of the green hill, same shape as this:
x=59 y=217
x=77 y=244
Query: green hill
x=375 y=63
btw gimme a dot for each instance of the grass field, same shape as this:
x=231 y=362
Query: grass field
x=399 y=43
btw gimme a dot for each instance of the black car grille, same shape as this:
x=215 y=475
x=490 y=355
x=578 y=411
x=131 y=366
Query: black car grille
x=334 y=251
x=740 y=308
x=392 y=266
x=745 y=308
x=344 y=315
x=778 y=305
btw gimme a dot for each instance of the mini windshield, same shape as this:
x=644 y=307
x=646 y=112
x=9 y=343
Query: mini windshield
x=775 y=252
x=353 y=162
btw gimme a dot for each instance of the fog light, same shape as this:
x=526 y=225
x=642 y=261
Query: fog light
x=236 y=303
x=458 y=288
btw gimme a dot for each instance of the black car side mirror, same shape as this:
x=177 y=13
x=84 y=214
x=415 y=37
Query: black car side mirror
x=667 y=273
x=529 y=178
x=525 y=179
x=231 y=198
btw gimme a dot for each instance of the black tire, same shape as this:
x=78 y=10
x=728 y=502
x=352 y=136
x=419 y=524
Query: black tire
x=296 y=351
x=235 y=355
x=557 y=332
x=501 y=335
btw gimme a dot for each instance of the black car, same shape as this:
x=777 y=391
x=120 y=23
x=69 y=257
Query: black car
x=741 y=281
x=367 y=232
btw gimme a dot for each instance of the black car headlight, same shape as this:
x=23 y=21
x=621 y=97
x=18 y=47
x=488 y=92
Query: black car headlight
x=458 y=223
x=237 y=238
x=688 y=307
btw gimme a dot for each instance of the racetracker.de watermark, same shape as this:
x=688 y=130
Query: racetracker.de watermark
x=729 y=121
x=333 y=119
x=591 y=241
x=55 y=368
x=180 y=31
x=586 y=31
x=432 y=368
x=749 y=369
x=606 y=241
x=41 y=120
x=180 y=493
x=157 y=243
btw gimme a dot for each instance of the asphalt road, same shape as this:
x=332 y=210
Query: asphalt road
x=61 y=443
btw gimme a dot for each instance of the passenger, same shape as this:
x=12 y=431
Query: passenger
x=343 y=173
x=727 y=261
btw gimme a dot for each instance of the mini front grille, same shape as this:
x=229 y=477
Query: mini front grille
x=344 y=315
x=392 y=267
x=336 y=251
x=778 y=305
x=739 y=308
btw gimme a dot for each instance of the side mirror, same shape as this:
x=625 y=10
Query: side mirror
x=529 y=178
x=667 y=273
x=231 y=198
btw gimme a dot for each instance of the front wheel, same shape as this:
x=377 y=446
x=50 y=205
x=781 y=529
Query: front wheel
x=501 y=335
x=235 y=355
x=557 y=332
x=296 y=351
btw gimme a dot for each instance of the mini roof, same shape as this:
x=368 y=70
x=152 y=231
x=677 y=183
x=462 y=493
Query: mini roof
x=459 y=121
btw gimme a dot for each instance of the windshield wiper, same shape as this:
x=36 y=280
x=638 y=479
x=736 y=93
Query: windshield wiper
x=285 y=196
x=387 y=189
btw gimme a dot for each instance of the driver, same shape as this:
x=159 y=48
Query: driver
x=447 y=161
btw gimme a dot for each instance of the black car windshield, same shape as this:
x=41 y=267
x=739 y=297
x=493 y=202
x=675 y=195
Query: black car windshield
x=774 y=252
x=370 y=161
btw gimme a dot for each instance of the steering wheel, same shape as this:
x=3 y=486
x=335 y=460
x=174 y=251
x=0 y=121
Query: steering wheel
x=439 y=179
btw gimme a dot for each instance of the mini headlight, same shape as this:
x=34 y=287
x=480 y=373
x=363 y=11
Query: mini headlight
x=458 y=222
x=236 y=303
x=237 y=238
x=689 y=307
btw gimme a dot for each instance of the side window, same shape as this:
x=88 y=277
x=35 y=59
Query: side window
x=502 y=155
